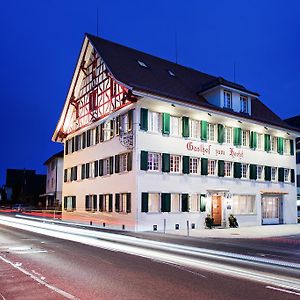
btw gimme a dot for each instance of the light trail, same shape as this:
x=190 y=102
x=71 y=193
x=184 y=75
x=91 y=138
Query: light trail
x=185 y=256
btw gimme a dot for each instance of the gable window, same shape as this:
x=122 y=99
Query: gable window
x=211 y=132
x=259 y=141
x=227 y=99
x=153 y=121
x=244 y=104
x=286 y=175
x=195 y=129
x=92 y=100
x=175 y=202
x=274 y=174
x=153 y=161
x=194 y=165
x=227 y=169
x=245 y=138
x=260 y=172
x=273 y=144
x=212 y=167
x=244 y=171
x=175 y=163
x=174 y=126
x=228 y=135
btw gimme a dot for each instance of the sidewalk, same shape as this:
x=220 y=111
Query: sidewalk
x=243 y=233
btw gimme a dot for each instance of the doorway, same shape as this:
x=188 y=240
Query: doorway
x=216 y=209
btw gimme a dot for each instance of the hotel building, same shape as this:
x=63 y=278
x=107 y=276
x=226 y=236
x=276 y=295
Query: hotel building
x=153 y=145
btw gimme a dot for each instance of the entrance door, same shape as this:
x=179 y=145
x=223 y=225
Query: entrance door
x=216 y=209
x=271 y=209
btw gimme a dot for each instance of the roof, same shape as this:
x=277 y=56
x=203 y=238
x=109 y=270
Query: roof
x=294 y=121
x=58 y=154
x=185 y=86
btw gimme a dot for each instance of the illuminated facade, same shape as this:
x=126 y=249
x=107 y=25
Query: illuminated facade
x=150 y=145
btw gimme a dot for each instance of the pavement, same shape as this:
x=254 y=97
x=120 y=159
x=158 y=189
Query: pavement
x=252 y=232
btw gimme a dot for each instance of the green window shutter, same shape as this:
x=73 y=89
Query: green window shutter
x=204 y=166
x=204 y=130
x=185 y=127
x=87 y=202
x=94 y=202
x=101 y=132
x=237 y=136
x=166 y=162
x=253 y=140
x=128 y=203
x=117 y=163
x=144 y=160
x=117 y=202
x=166 y=123
x=267 y=142
x=221 y=135
x=101 y=202
x=144 y=119
x=110 y=203
x=267 y=173
x=129 y=161
x=237 y=170
x=184 y=202
x=253 y=172
x=281 y=174
x=165 y=202
x=221 y=170
x=145 y=197
x=280 y=145
x=292 y=175
x=130 y=120
x=65 y=203
x=101 y=167
x=202 y=202
x=111 y=165
x=292 y=147
x=185 y=164
x=96 y=168
x=73 y=202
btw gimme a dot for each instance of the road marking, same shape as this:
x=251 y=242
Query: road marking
x=49 y=286
x=3 y=298
x=281 y=290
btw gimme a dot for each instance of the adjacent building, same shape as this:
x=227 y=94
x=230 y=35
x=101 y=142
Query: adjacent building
x=53 y=195
x=153 y=145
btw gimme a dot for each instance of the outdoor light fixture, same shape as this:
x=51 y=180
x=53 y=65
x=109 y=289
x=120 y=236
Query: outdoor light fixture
x=287 y=133
x=173 y=105
x=240 y=122
x=209 y=114
x=266 y=128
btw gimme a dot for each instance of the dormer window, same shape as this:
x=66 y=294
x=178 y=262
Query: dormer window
x=227 y=99
x=244 y=104
x=142 y=64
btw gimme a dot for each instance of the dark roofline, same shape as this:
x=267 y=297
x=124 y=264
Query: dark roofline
x=58 y=154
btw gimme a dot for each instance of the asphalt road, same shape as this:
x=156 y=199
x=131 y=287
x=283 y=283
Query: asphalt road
x=35 y=266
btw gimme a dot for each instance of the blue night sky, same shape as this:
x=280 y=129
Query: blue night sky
x=40 y=42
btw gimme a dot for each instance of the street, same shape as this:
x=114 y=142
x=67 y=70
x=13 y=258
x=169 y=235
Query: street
x=44 y=263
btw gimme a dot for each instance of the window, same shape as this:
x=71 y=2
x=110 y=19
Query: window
x=211 y=167
x=153 y=202
x=244 y=171
x=174 y=126
x=123 y=158
x=70 y=203
x=228 y=135
x=142 y=64
x=91 y=203
x=105 y=203
x=123 y=202
x=193 y=203
x=259 y=141
x=125 y=123
x=260 y=172
x=243 y=204
x=194 y=129
x=227 y=99
x=174 y=163
x=244 y=104
x=153 y=121
x=227 y=169
x=87 y=170
x=153 y=161
x=107 y=130
x=287 y=146
x=175 y=202
x=245 y=138
x=286 y=175
x=106 y=166
x=274 y=174
x=273 y=144
x=211 y=132
x=194 y=165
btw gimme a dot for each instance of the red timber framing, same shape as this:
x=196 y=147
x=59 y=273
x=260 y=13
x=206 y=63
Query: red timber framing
x=99 y=94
